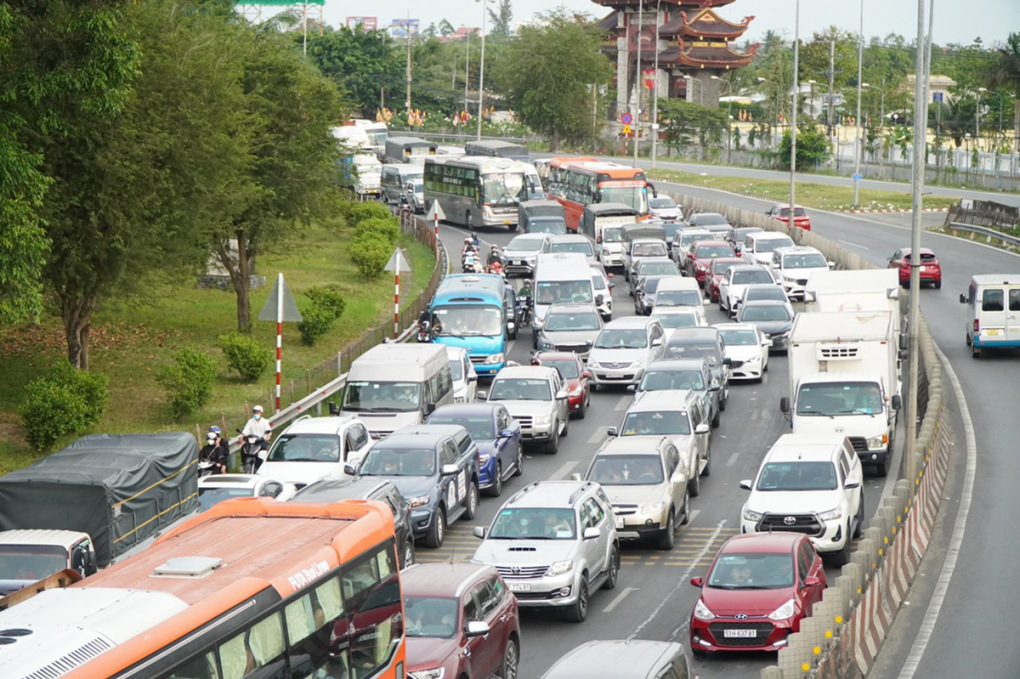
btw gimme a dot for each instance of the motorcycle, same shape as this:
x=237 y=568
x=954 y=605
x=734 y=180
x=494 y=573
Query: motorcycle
x=497 y=268
x=525 y=305
x=254 y=452
x=207 y=468
x=470 y=265
x=424 y=332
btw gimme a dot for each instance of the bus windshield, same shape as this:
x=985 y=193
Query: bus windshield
x=634 y=196
x=467 y=320
x=503 y=188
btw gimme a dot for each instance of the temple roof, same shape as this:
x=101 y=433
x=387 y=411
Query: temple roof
x=713 y=55
x=704 y=24
x=690 y=4
x=609 y=23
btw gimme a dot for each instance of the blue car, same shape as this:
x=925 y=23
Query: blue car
x=497 y=435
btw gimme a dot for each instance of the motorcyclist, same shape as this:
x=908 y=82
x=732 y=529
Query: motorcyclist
x=475 y=242
x=214 y=452
x=494 y=257
x=469 y=247
x=526 y=298
x=258 y=426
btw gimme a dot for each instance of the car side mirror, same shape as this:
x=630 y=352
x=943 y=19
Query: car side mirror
x=476 y=628
x=698 y=582
x=449 y=469
x=784 y=404
x=811 y=581
x=963 y=299
x=482 y=395
x=472 y=378
x=631 y=387
x=612 y=431
x=599 y=240
x=430 y=408
x=745 y=484
x=334 y=411
x=702 y=429
x=350 y=470
x=767 y=342
x=506 y=433
x=609 y=275
x=586 y=374
x=832 y=265
x=897 y=402
x=576 y=477
x=479 y=532
x=714 y=387
x=657 y=342
x=851 y=484
x=727 y=361
x=591 y=533
x=737 y=249
x=561 y=394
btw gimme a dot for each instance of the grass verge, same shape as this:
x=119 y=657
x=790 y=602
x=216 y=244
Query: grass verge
x=809 y=194
x=130 y=340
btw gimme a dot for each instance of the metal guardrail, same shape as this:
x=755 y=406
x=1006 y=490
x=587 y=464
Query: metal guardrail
x=984 y=231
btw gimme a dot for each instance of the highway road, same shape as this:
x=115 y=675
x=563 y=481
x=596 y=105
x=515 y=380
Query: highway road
x=653 y=599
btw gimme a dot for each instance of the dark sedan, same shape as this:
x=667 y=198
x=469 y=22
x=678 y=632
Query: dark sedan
x=497 y=435
x=771 y=317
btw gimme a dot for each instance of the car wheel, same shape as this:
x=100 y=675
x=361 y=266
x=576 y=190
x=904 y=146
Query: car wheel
x=715 y=420
x=511 y=658
x=408 y=559
x=667 y=539
x=842 y=557
x=687 y=509
x=968 y=339
x=882 y=470
x=721 y=307
x=595 y=387
x=722 y=404
x=614 y=570
x=584 y=409
x=975 y=352
x=694 y=486
x=553 y=446
x=697 y=651
x=566 y=426
x=520 y=462
x=707 y=471
x=437 y=533
x=860 y=518
x=496 y=489
x=472 y=502
x=938 y=284
x=579 y=611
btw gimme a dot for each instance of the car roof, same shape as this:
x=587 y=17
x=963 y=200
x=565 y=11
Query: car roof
x=663 y=399
x=556 y=356
x=632 y=445
x=528 y=236
x=761 y=543
x=735 y=326
x=319 y=425
x=805 y=448
x=345 y=488
x=551 y=494
x=768 y=235
x=569 y=237
x=441 y=579
x=399 y=439
x=526 y=372
x=571 y=307
x=677 y=364
x=764 y=302
x=710 y=243
x=455 y=352
x=798 y=250
x=468 y=409
x=614 y=659
x=748 y=267
x=924 y=251
x=675 y=311
x=641 y=322
x=654 y=260
x=230 y=480
x=430 y=430
x=700 y=334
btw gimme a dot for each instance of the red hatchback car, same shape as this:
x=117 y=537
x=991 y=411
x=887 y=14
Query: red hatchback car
x=461 y=621
x=931 y=270
x=759 y=588
x=573 y=372
x=702 y=255
x=782 y=213
x=716 y=271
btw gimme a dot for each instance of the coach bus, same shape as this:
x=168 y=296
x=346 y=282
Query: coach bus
x=249 y=589
x=495 y=148
x=476 y=191
x=576 y=182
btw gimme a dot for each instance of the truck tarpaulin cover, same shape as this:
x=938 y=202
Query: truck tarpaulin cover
x=118 y=489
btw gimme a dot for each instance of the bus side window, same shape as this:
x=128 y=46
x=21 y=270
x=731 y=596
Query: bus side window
x=200 y=667
x=310 y=622
x=260 y=647
x=445 y=382
x=378 y=618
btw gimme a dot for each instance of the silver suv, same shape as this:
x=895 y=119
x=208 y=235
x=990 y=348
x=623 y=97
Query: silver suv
x=554 y=542
x=536 y=397
x=624 y=349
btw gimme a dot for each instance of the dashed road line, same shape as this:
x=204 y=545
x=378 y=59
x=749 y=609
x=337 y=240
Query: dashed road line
x=564 y=471
x=623 y=403
x=733 y=459
x=618 y=599
x=597 y=436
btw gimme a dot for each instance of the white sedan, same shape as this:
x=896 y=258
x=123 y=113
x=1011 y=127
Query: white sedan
x=747 y=347
x=219 y=487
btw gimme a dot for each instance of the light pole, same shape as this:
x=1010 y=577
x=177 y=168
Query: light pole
x=691 y=80
x=857 y=120
x=811 y=108
x=977 y=119
x=637 y=74
x=467 y=65
x=481 y=70
x=881 y=91
x=773 y=121
x=655 y=91
x=793 y=116
x=729 y=108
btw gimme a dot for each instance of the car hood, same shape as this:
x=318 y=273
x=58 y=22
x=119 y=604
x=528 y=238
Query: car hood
x=803 y=273
x=617 y=355
x=386 y=422
x=519 y=254
x=773 y=327
x=477 y=345
x=486 y=447
x=752 y=602
x=426 y=653
x=525 y=552
x=410 y=486
x=850 y=425
x=742 y=352
x=635 y=495
x=573 y=337
x=529 y=408
x=301 y=473
x=794 y=501
x=667 y=212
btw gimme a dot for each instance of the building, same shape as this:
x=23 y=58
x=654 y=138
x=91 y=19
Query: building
x=694 y=44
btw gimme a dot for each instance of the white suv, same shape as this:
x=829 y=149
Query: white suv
x=810 y=484
x=316 y=448
x=794 y=265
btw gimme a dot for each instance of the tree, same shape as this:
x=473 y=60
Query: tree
x=812 y=148
x=687 y=124
x=446 y=28
x=546 y=72
x=365 y=65
x=62 y=66
x=502 y=19
x=1005 y=74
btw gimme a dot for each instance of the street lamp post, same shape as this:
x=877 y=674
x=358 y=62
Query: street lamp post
x=977 y=119
x=655 y=91
x=637 y=73
x=481 y=70
x=857 y=120
x=729 y=108
x=793 y=116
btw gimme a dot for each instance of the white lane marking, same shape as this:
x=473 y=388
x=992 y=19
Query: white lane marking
x=846 y=242
x=598 y=435
x=694 y=515
x=619 y=598
x=733 y=459
x=564 y=471
x=623 y=403
x=682 y=580
x=931 y=616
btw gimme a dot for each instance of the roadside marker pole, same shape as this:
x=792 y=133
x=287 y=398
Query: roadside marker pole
x=280 y=307
x=279 y=337
x=396 y=303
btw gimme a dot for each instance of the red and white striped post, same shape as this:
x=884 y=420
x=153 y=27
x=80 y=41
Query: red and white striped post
x=279 y=336
x=396 y=299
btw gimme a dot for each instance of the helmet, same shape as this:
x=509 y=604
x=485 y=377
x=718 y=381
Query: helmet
x=467 y=240
x=257 y=409
x=495 y=248
x=211 y=436
x=527 y=282
x=214 y=429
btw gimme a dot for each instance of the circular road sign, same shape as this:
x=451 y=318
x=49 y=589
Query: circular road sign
x=626 y=119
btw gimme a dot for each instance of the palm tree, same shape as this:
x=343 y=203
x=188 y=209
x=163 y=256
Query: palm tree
x=1006 y=74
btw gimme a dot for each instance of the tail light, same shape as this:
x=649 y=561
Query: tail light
x=977 y=327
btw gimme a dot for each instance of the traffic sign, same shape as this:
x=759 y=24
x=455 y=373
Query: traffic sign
x=626 y=119
x=627 y=130
x=436 y=212
x=858 y=177
x=397 y=262
x=280 y=305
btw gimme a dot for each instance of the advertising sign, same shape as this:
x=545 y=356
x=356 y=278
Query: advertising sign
x=364 y=23
x=400 y=28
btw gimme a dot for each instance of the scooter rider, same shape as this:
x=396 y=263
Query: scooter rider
x=258 y=426
x=475 y=242
x=494 y=257
x=214 y=452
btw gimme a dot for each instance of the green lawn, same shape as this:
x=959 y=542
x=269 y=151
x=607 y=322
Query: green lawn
x=809 y=194
x=129 y=341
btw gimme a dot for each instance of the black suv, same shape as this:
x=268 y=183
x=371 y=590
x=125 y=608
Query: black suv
x=348 y=488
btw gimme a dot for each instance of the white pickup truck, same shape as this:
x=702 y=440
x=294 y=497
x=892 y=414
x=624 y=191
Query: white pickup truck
x=27 y=556
x=844 y=379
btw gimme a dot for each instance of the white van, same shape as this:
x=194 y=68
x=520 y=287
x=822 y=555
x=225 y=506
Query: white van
x=561 y=277
x=993 y=306
x=394 y=178
x=396 y=385
x=680 y=291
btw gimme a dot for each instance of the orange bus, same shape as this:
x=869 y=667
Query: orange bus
x=269 y=590
x=576 y=182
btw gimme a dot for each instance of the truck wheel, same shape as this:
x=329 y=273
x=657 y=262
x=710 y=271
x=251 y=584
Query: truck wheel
x=882 y=470
x=842 y=557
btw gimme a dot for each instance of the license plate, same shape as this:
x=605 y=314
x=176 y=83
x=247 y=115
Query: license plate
x=615 y=375
x=506 y=222
x=740 y=633
x=519 y=262
x=992 y=332
x=520 y=587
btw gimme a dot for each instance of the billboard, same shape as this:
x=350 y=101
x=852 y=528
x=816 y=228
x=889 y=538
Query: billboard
x=401 y=28
x=364 y=23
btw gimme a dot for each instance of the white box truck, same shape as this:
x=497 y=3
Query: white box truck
x=844 y=378
x=854 y=290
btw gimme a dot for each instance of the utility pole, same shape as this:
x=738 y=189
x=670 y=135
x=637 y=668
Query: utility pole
x=655 y=92
x=793 y=115
x=467 y=65
x=637 y=69
x=594 y=117
x=407 y=98
x=832 y=81
x=481 y=73
x=857 y=120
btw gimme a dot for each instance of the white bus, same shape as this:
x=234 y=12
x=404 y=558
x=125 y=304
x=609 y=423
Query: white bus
x=476 y=191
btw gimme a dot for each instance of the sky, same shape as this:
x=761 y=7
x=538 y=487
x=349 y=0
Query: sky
x=954 y=22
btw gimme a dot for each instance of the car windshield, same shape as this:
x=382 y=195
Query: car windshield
x=576 y=292
x=708 y=218
x=660 y=203
x=534 y=523
x=383 y=461
x=627 y=470
x=752 y=571
x=622 y=338
x=30 y=562
x=525 y=244
x=382 y=397
x=612 y=234
x=567 y=369
x=720 y=268
x=752 y=277
x=598 y=282
x=306 y=448
x=573 y=246
x=710 y=251
x=691 y=238
x=677 y=298
x=688 y=349
x=768 y=291
x=739 y=338
x=797 y=476
x=810 y=261
x=673 y=321
x=840 y=398
x=755 y=312
x=633 y=196
x=660 y=380
x=797 y=212
x=207 y=497
x=771 y=244
x=503 y=188
x=660 y=423
x=649 y=250
x=467 y=320
x=657 y=269
x=520 y=389
x=478 y=428
x=580 y=321
x=428 y=616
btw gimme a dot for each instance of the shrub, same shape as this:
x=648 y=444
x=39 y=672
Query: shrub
x=370 y=252
x=188 y=381
x=328 y=297
x=65 y=401
x=355 y=212
x=387 y=228
x=246 y=355
x=327 y=306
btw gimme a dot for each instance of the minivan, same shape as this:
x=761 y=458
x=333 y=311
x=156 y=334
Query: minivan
x=993 y=306
x=631 y=658
x=393 y=180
